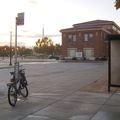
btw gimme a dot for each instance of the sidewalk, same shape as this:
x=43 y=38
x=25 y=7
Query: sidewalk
x=6 y=62
x=53 y=97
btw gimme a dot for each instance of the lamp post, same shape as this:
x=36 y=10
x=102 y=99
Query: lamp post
x=3 y=53
x=10 y=46
x=4 y=49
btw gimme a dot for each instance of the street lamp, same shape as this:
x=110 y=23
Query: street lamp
x=4 y=49
x=3 y=53
x=10 y=46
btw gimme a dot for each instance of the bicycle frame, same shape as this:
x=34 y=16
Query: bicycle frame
x=16 y=87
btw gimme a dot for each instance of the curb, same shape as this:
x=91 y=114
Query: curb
x=4 y=67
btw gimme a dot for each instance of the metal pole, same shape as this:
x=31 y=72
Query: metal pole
x=15 y=39
x=10 y=46
x=3 y=53
x=16 y=68
x=109 y=64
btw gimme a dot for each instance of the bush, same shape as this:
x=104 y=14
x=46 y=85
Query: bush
x=84 y=58
x=74 y=58
x=97 y=58
x=101 y=58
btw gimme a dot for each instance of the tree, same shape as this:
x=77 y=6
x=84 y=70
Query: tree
x=25 y=51
x=44 y=46
x=58 y=48
x=5 y=51
x=117 y=4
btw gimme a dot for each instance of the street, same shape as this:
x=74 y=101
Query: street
x=42 y=71
x=56 y=93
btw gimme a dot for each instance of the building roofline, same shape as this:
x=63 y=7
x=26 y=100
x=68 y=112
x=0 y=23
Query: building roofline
x=80 y=28
x=97 y=22
x=87 y=29
x=92 y=22
x=106 y=30
x=91 y=25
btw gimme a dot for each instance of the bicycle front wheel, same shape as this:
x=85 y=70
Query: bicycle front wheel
x=23 y=90
x=12 y=95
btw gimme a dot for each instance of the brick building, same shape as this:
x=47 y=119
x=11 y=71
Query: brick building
x=88 y=38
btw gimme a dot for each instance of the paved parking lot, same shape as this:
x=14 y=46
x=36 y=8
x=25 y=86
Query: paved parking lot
x=58 y=91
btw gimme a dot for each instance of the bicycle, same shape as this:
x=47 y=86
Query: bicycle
x=17 y=87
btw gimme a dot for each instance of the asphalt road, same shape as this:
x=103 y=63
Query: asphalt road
x=40 y=70
x=55 y=93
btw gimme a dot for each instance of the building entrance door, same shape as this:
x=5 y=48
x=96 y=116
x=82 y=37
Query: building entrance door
x=88 y=52
x=71 y=52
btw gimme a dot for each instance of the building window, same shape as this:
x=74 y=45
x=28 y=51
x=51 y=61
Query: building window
x=88 y=37
x=71 y=52
x=88 y=52
x=71 y=38
x=74 y=38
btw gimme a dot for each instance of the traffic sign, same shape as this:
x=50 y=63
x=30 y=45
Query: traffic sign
x=20 y=19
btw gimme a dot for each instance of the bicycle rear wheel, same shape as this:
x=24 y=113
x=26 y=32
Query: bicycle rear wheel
x=23 y=90
x=12 y=95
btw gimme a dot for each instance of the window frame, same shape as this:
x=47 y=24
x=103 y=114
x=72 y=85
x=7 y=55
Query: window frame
x=69 y=37
x=72 y=37
x=88 y=37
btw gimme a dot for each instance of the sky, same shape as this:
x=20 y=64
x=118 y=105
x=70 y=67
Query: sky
x=54 y=15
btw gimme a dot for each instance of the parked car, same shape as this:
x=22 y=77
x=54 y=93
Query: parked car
x=53 y=57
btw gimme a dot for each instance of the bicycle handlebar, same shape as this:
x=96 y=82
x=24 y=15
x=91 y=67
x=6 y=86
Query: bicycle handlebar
x=12 y=73
x=21 y=70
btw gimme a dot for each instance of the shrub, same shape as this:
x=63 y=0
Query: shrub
x=74 y=58
x=97 y=58
x=84 y=58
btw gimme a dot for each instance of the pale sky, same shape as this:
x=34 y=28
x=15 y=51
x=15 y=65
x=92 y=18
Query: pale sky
x=54 y=14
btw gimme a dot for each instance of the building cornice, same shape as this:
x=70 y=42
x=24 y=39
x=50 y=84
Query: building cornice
x=81 y=30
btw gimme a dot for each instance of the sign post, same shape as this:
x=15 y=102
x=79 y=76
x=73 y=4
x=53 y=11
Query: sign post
x=10 y=46
x=19 y=20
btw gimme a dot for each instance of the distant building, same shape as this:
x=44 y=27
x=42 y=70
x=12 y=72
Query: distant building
x=88 y=38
